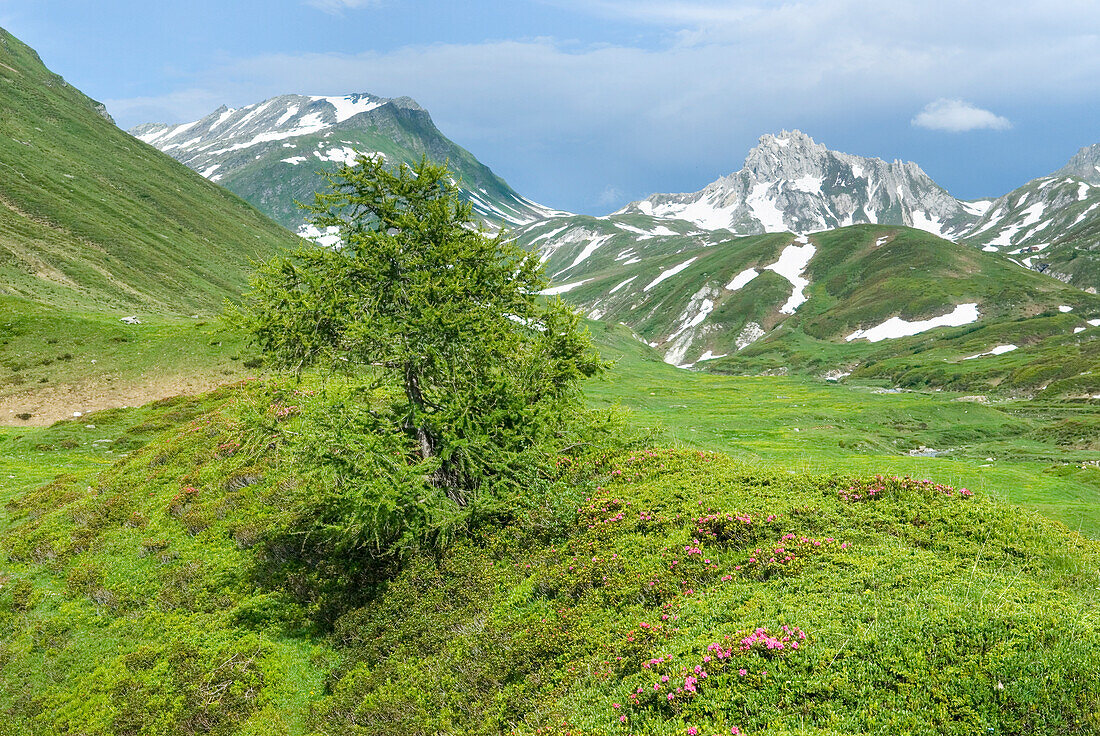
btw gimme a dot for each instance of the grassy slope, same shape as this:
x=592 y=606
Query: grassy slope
x=174 y=662
x=859 y=277
x=91 y=218
x=855 y=283
x=1030 y=453
x=131 y=605
x=95 y=225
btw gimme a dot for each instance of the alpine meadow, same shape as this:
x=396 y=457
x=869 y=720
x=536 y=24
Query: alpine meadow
x=311 y=424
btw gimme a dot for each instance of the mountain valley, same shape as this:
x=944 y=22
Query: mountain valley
x=837 y=470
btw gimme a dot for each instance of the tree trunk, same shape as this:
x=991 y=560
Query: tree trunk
x=416 y=398
x=443 y=477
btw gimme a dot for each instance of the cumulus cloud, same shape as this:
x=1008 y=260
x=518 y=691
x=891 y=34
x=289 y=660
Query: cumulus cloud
x=958 y=116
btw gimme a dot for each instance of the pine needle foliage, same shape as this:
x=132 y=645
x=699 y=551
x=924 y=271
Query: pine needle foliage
x=458 y=381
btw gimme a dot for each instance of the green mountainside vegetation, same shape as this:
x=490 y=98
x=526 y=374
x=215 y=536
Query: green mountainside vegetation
x=91 y=218
x=96 y=226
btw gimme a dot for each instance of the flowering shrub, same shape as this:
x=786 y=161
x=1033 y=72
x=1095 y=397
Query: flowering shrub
x=767 y=644
x=880 y=485
x=284 y=412
x=731 y=529
x=666 y=686
x=182 y=500
x=786 y=556
x=632 y=649
x=602 y=508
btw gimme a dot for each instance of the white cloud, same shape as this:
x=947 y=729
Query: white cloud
x=611 y=195
x=174 y=107
x=338 y=6
x=958 y=116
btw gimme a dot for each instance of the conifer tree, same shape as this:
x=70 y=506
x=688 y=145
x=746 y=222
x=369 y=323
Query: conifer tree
x=418 y=295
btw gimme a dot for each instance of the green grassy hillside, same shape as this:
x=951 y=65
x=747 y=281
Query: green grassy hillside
x=91 y=218
x=1039 y=453
x=160 y=594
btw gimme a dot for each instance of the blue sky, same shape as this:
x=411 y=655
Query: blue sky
x=587 y=104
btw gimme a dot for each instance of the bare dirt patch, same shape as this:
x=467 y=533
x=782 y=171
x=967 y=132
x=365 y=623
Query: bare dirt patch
x=47 y=404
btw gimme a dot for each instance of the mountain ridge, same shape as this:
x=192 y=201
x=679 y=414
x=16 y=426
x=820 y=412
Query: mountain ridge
x=261 y=151
x=791 y=183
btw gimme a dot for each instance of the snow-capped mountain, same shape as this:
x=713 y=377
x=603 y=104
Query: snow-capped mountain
x=789 y=183
x=829 y=302
x=679 y=270
x=269 y=152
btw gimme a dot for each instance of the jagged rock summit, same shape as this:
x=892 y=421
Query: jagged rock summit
x=789 y=182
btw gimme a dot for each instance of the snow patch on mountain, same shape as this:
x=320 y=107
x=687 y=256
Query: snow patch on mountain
x=896 y=327
x=749 y=334
x=351 y=105
x=669 y=273
x=687 y=324
x=589 y=250
x=791 y=265
x=329 y=238
x=621 y=284
x=742 y=278
x=999 y=350
x=563 y=288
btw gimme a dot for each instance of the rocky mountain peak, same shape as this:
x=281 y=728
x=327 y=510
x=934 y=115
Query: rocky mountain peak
x=269 y=151
x=783 y=155
x=1085 y=164
x=792 y=183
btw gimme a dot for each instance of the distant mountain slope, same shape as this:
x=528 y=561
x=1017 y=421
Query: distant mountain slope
x=829 y=303
x=1051 y=224
x=92 y=219
x=790 y=183
x=270 y=152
